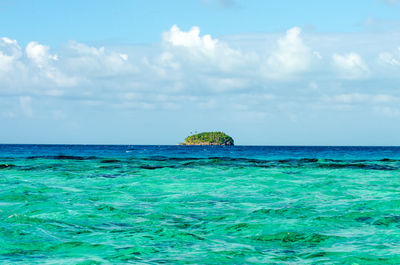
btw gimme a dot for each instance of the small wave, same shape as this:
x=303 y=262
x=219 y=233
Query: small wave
x=3 y=166
x=106 y=161
x=388 y=160
x=357 y=166
x=164 y=158
x=152 y=167
x=182 y=162
x=293 y=237
x=387 y=220
x=63 y=157
x=309 y=160
x=111 y=167
x=108 y=176
x=75 y=245
x=243 y=226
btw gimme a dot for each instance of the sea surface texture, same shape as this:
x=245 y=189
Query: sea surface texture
x=64 y=204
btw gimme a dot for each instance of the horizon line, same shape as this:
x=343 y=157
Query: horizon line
x=240 y=145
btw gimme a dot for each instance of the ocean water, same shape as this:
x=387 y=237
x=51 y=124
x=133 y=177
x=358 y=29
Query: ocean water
x=64 y=204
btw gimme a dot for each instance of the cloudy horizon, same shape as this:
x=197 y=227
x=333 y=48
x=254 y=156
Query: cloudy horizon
x=296 y=86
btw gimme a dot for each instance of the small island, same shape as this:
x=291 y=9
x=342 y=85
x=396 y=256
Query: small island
x=209 y=138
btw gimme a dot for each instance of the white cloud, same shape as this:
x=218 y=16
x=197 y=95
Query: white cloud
x=357 y=98
x=350 y=66
x=10 y=52
x=253 y=79
x=295 y=70
x=190 y=39
x=124 y=56
x=291 y=56
x=39 y=54
x=45 y=62
x=165 y=65
x=351 y=98
x=203 y=50
x=91 y=62
x=390 y=59
x=78 y=64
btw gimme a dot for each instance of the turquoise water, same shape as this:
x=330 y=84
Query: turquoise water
x=199 y=205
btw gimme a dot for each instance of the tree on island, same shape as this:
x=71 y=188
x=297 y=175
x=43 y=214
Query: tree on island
x=209 y=138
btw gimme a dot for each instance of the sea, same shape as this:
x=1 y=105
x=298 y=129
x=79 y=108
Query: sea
x=115 y=204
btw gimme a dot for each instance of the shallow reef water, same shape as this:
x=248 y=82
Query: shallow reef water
x=88 y=204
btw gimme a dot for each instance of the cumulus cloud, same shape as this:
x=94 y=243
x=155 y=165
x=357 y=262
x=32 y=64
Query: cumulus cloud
x=39 y=54
x=166 y=66
x=291 y=56
x=84 y=60
x=191 y=60
x=10 y=52
x=37 y=66
x=196 y=69
x=260 y=81
x=190 y=39
x=41 y=57
x=203 y=50
x=350 y=66
x=390 y=58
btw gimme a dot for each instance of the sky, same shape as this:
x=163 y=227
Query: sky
x=309 y=72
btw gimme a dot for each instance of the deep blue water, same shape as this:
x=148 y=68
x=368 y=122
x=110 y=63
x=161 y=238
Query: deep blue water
x=269 y=152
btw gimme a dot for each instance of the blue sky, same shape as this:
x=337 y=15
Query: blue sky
x=130 y=21
x=150 y=72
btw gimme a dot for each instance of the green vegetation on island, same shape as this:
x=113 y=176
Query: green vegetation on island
x=209 y=138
